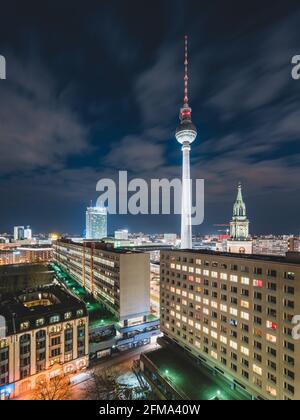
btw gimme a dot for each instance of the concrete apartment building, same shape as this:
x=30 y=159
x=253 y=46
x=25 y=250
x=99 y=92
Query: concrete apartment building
x=119 y=278
x=233 y=312
x=44 y=334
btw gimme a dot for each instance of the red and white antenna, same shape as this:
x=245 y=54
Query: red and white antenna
x=186 y=77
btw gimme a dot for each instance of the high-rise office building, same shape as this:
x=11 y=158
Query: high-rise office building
x=28 y=233
x=234 y=313
x=96 y=222
x=19 y=233
x=185 y=134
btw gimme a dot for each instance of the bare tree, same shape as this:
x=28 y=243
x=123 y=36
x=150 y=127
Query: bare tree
x=104 y=385
x=56 y=388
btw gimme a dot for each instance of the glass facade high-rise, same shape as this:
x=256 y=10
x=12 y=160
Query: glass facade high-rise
x=96 y=222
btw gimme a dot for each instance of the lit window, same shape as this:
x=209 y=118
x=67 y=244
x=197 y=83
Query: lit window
x=245 y=351
x=184 y=268
x=24 y=325
x=198 y=262
x=191 y=296
x=233 y=345
x=184 y=302
x=191 y=269
x=233 y=278
x=184 y=319
x=233 y=311
x=178 y=316
x=245 y=281
x=206 y=311
x=257 y=369
x=214 y=304
x=39 y=322
x=223 y=308
x=198 y=298
x=68 y=315
x=178 y=267
x=258 y=283
x=206 y=272
x=214 y=274
x=191 y=322
x=271 y=390
x=271 y=325
x=197 y=343
x=56 y=318
x=198 y=326
x=245 y=315
x=245 y=304
x=214 y=334
x=271 y=338
x=198 y=270
x=214 y=354
x=206 y=301
x=223 y=276
x=205 y=330
x=190 y=278
x=214 y=324
x=223 y=339
x=172 y=265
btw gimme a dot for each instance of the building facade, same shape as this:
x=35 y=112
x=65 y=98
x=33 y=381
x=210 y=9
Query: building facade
x=96 y=222
x=234 y=312
x=46 y=334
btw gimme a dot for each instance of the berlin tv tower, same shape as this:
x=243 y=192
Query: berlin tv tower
x=185 y=134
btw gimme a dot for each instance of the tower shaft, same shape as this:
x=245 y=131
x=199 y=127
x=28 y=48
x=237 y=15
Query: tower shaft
x=186 y=206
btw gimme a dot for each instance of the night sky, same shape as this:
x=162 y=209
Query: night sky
x=94 y=87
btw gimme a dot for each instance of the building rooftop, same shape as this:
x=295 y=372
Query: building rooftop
x=99 y=245
x=40 y=302
x=189 y=379
x=290 y=258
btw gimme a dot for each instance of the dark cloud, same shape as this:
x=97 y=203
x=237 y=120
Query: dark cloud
x=100 y=90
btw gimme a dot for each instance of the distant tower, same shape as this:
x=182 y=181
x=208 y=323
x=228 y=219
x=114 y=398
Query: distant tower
x=239 y=241
x=96 y=223
x=239 y=226
x=185 y=134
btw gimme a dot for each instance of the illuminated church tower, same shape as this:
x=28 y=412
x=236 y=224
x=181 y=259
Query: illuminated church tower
x=239 y=227
x=185 y=134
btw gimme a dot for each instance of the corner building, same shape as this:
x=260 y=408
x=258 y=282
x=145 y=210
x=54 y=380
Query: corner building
x=234 y=313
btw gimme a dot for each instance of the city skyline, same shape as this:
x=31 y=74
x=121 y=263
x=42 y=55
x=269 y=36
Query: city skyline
x=87 y=129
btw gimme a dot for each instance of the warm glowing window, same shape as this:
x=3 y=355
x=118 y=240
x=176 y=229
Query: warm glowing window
x=198 y=270
x=206 y=272
x=245 y=304
x=271 y=325
x=197 y=343
x=214 y=324
x=191 y=296
x=214 y=354
x=223 y=339
x=206 y=301
x=245 y=280
x=245 y=351
x=178 y=267
x=271 y=390
x=205 y=311
x=214 y=274
x=198 y=262
x=258 y=283
x=197 y=326
x=257 y=369
x=233 y=345
x=214 y=304
x=214 y=335
x=191 y=322
x=271 y=338
x=233 y=278
x=190 y=278
x=245 y=315
x=191 y=269
x=223 y=276
x=223 y=308
x=205 y=330
x=233 y=311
